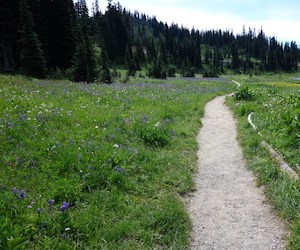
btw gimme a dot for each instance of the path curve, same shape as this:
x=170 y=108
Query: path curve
x=228 y=211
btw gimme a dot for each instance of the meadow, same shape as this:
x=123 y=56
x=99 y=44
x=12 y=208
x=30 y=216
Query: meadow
x=92 y=166
x=274 y=101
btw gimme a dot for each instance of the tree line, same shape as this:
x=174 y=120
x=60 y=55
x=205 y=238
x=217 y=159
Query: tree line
x=42 y=37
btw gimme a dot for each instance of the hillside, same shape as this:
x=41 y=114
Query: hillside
x=43 y=38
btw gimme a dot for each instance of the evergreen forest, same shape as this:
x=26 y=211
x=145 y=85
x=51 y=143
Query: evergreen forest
x=43 y=38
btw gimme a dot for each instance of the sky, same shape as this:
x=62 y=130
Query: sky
x=278 y=18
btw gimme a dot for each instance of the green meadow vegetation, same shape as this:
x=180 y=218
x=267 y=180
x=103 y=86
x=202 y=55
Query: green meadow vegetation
x=92 y=166
x=275 y=103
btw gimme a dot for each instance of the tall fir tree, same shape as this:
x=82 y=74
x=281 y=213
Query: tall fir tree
x=8 y=34
x=84 y=68
x=31 y=55
x=61 y=33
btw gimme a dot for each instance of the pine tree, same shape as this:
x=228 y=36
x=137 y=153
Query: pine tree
x=84 y=68
x=8 y=33
x=235 y=61
x=61 y=33
x=104 y=74
x=31 y=55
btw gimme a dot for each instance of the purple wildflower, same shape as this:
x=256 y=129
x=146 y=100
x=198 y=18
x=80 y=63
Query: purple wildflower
x=22 y=117
x=39 y=210
x=90 y=167
x=22 y=194
x=50 y=202
x=64 y=207
x=119 y=169
x=14 y=191
x=18 y=160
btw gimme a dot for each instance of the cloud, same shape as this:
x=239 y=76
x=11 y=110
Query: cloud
x=279 y=19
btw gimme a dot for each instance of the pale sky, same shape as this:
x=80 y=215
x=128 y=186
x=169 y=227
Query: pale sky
x=279 y=18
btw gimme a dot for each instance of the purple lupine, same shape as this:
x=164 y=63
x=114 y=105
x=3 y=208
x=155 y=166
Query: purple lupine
x=22 y=194
x=22 y=117
x=119 y=169
x=15 y=191
x=50 y=202
x=90 y=167
x=64 y=207
x=39 y=210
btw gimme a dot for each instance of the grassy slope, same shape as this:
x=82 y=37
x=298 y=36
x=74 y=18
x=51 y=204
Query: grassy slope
x=119 y=155
x=271 y=99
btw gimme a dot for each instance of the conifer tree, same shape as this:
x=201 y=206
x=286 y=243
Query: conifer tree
x=84 y=68
x=8 y=33
x=31 y=55
x=104 y=74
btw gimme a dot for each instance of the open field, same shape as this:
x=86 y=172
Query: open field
x=275 y=103
x=98 y=166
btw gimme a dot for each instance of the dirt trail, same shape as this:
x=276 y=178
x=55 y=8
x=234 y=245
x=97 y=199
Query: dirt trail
x=228 y=210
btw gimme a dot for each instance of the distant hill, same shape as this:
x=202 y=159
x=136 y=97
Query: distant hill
x=64 y=37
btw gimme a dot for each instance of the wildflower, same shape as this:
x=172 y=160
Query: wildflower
x=119 y=169
x=116 y=146
x=14 y=191
x=50 y=202
x=22 y=117
x=90 y=167
x=64 y=207
x=18 y=160
x=157 y=125
x=22 y=194
x=29 y=206
x=39 y=210
x=67 y=229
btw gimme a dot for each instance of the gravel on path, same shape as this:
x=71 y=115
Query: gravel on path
x=228 y=210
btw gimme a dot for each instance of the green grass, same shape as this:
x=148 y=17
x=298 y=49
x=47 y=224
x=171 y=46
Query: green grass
x=119 y=155
x=272 y=99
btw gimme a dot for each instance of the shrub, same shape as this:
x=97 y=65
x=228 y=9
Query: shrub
x=171 y=71
x=210 y=73
x=157 y=70
x=188 y=72
x=243 y=93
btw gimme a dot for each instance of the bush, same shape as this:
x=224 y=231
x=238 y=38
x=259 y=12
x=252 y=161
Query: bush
x=188 y=72
x=211 y=73
x=243 y=93
x=171 y=71
x=157 y=70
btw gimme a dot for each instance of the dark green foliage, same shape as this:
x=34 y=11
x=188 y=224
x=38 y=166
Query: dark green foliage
x=130 y=62
x=84 y=67
x=104 y=74
x=61 y=33
x=171 y=71
x=65 y=39
x=212 y=72
x=157 y=70
x=243 y=93
x=187 y=70
x=31 y=55
x=155 y=134
x=8 y=33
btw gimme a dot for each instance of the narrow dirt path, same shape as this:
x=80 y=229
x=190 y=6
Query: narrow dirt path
x=228 y=210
